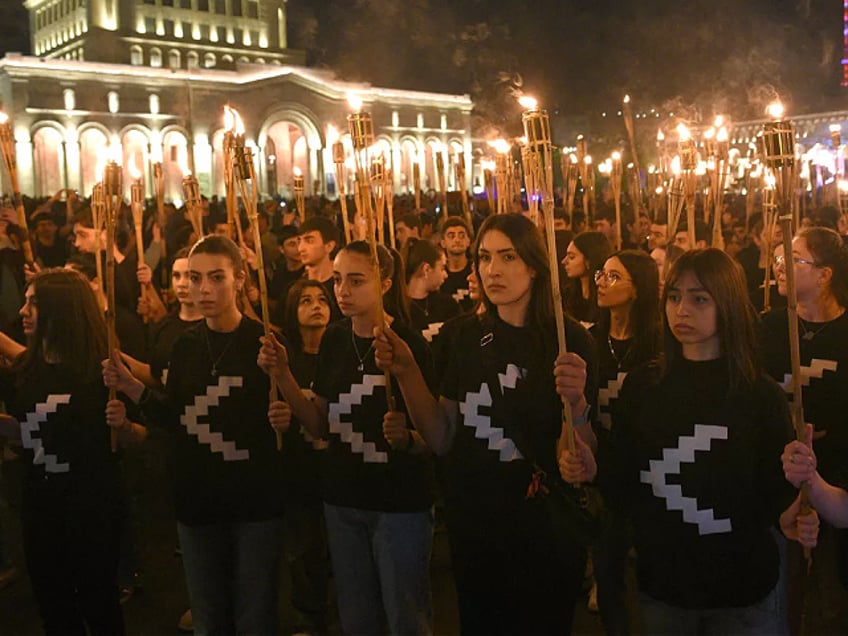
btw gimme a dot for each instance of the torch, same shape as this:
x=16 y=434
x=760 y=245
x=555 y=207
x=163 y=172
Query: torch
x=615 y=184
x=7 y=143
x=631 y=134
x=459 y=168
x=836 y=140
x=233 y=140
x=361 y=127
x=688 y=164
x=443 y=181
x=194 y=206
x=488 y=167
x=159 y=183
x=341 y=178
x=503 y=174
x=570 y=173
x=778 y=149
x=584 y=161
x=244 y=176
x=769 y=223
x=113 y=198
x=416 y=182
x=537 y=130
x=137 y=207
x=300 y=198
x=389 y=195
x=378 y=179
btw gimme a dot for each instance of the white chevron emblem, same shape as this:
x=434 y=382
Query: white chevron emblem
x=673 y=493
x=203 y=432
x=460 y=293
x=33 y=425
x=815 y=370
x=607 y=395
x=344 y=406
x=432 y=331
x=482 y=424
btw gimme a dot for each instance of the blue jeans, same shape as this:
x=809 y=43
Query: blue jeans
x=381 y=563
x=232 y=572
x=765 y=618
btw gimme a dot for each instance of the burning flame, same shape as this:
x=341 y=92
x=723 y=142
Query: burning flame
x=652 y=169
x=572 y=157
x=834 y=128
x=722 y=134
x=232 y=121
x=616 y=156
x=134 y=171
x=683 y=132
x=4 y=118
x=528 y=103
x=675 y=165
x=627 y=99
x=843 y=186
x=719 y=121
x=770 y=180
x=501 y=146
x=660 y=135
x=588 y=160
x=332 y=135
x=355 y=102
x=182 y=162
x=297 y=172
x=775 y=110
x=709 y=133
x=487 y=165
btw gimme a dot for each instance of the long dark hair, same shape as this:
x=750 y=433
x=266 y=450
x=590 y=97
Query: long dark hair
x=724 y=279
x=291 y=325
x=644 y=312
x=527 y=241
x=395 y=301
x=828 y=250
x=70 y=329
x=416 y=252
x=595 y=249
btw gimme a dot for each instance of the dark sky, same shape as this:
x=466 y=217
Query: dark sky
x=578 y=56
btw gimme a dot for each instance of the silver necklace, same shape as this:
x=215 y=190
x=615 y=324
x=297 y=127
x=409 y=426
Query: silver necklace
x=361 y=358
x=416 y=302
x=217 y=361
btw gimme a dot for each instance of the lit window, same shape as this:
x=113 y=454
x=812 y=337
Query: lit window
x=136 y=56
x=69 y=99
x=154 y=104
x=114 y=102
x=209 y=60
x=173 y=59
x=155 y=58
x=192 y=60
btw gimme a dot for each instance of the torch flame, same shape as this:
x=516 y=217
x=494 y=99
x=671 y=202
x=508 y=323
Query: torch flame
x=719 y=121
x=232 y=121
x=675 y=165
x=4 y=118
x=722 y=134
x=660 y=135
x=652 y=169
x=775 y=110
x=332 y=135
x=588 y=160
x=182 y=162
x=709 y=133
x=627 y=99
x=355 y=102
x=501 y=146
x=135 y=173
x=528 y=103
x=843 y=186
x=297 y=172
x=572 y=157
x=683 y=132
x=835 y=128
x=615 y=156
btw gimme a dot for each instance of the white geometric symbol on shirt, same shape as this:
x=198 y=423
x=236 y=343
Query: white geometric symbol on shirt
x=606 y=395
x=482 y=424
x=815 y=370
x=204 y=434
x=33 y=425
x=673 y=493
x=344 y=406
x=432 y=331
x=460 y=293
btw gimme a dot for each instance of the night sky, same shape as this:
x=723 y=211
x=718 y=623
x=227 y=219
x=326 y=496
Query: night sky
x=695 y=57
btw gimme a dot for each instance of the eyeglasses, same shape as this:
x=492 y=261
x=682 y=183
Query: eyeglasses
x=611 y=278
x=780 y=261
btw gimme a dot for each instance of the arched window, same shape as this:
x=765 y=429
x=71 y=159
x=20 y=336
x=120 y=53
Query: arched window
x=174 y=59
x=192 y=60
x=136 y=56
x=209 y=60
x=155 y=58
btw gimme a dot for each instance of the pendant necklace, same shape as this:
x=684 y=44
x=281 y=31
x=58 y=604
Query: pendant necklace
x=217 y=361
x=426 y=308
x=361 y=358
x=618 y=362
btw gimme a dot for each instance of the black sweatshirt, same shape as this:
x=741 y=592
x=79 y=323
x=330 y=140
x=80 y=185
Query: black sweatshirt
x=359 y=468
x=429 y=314
x=824 y=366
x=502 y=378
x=226 y=466
x=700 y=475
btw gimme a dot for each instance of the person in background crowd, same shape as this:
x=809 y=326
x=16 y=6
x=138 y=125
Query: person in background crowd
x=287 y=265
x=702 y=236
x=585 y=255
x=406 y=227
x=425 y=273
x=455 y=241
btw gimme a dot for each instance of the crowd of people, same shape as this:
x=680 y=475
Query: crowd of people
x=431 y=380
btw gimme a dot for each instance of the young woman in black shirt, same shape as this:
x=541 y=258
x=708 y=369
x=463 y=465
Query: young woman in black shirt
x=497 y=395
x=585 y=255
x=73 y=504
x=227 y=473
x=694 y=460
x=429 y=309
x=377 y=478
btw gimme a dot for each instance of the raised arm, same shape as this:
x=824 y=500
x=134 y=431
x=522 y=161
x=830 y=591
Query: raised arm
x=434 y=420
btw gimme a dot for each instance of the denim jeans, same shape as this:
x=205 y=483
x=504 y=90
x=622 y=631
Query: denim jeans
x=232 y=572
x=761 y=619
x=381 y=563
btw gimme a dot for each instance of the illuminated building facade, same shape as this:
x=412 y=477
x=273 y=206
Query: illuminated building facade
x=152 y=77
